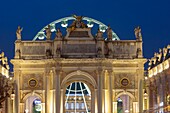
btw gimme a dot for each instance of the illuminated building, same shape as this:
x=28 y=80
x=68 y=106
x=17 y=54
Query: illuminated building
x=158 y=82
x=106 y=73
x=4 y=85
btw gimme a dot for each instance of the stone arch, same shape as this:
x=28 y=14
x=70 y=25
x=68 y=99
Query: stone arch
x=84 y=77
x=31 y=94
x=75 y=76
x=125 y=93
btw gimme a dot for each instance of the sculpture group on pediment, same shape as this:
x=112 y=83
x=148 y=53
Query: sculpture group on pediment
x=18 y=33
x=48 y=32
x=78 y=23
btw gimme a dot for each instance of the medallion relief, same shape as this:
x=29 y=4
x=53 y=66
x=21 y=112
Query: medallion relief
x=32 y=81
x=125 y=80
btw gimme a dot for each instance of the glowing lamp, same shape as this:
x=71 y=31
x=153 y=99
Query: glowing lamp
x=90 y=24
x=41 y=35
x=102 y=28
x=52 y=27
x=64 y=23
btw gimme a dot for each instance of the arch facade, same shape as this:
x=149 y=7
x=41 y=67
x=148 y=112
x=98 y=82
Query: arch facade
x=107 y=66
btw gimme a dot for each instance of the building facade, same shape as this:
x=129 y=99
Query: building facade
x=158 y=82
x=106 y=73
x=5 y=101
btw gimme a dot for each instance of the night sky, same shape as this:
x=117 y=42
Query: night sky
x=122 y=15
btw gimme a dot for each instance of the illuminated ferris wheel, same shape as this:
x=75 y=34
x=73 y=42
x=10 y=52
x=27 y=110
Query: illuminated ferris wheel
x=78 y=98
x=64 y=24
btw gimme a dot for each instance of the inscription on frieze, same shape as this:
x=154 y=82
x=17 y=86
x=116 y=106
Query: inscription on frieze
x=79 y=34
x=79 y=48
x=33 y=50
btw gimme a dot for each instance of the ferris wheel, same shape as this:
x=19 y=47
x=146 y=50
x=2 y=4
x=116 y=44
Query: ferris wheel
x=64 y=23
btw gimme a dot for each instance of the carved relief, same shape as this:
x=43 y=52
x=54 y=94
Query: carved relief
x=124 y=80
x=36 y=83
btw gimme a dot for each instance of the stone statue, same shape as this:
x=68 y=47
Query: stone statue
x=78 y=23
x=18 y=33
x=109 y=33
x=2 y=55
x=165 y=51
x=17 y=54
x=138 y=34
x=99 y=34
x=48 y=53
x=48 y=32
x=58 y=34
x=58 y=51
x=139 y=52
x=99 y=52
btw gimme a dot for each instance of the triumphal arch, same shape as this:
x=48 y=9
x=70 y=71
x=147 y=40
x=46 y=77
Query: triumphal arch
x=67 y=68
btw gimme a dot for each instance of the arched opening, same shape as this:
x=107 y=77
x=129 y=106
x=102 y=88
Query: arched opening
x=77 y=98
x=86 y=84
x=33 y=105
x=124 y=104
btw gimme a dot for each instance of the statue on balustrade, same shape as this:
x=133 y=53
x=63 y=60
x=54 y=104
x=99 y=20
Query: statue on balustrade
x=58 y=51
x=58 y=34
x=48 y=32
x=109 y=33
x=138 y=34
x=99 y=34
x=18 y=33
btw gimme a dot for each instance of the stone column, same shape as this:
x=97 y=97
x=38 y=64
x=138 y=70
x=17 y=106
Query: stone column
x=135 y=107
x=22 y=107
x=140 y=95
x=52 y=99
x=96 y=101
x=57 y=91
x=13 y=106
x=93 y=101
x=7 y=105
x=17 y=90
x=62 y=101
x=114 y=107
x=110 y=91
x=43 y=107
x=100 y=91
x=47 y=92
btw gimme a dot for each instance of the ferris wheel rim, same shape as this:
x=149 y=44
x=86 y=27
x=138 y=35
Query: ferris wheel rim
x=72 y=18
